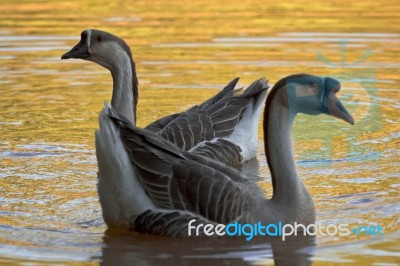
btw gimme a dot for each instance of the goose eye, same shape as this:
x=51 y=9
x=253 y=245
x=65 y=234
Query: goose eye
x=99 y=38
x=336 y=89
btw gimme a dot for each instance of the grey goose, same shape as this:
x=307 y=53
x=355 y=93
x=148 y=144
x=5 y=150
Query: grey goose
x=225 y=127
x=151 y=186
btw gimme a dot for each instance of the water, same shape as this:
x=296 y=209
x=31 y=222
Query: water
x=49 y=211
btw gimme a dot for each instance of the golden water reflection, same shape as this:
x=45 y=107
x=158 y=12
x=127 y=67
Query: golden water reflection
x=185 y=52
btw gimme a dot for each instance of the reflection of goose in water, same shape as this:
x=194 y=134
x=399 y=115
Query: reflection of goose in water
x=120 y=248
x=215 y=121
x=166 y=187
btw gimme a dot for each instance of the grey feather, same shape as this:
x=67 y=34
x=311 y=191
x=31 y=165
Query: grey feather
x=224 y=93
x=214 y=119
x=220 y=150
x=177 y=180
x=165 y=222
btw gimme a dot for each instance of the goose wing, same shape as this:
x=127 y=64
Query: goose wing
x=226 y=92
x=162 y=122
x=181 y=181
x=165 y=222
x=221 y=150
x=241 y=144
x=216 y=118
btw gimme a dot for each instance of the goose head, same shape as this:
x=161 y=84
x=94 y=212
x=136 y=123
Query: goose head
x=114 y=54
x=315 y=95
x=102 y=48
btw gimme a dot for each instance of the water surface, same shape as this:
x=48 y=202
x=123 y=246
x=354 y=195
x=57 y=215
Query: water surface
x=185 y=52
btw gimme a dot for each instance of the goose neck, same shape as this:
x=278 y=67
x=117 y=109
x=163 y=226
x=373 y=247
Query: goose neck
x=125 y=87
x=289 y=191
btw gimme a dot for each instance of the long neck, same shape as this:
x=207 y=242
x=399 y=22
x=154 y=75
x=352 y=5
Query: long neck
x=125 y=87
x=288 y=190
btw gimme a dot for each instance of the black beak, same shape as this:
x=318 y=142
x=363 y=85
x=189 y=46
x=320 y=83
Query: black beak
x=335 y=107
x=79 y=51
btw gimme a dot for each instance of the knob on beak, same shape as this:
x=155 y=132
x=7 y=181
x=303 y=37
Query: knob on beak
x=331 y=104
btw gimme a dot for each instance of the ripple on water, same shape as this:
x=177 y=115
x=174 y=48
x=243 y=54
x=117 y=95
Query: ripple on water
x=12 y=123
x=356 y=157
x=316 y=37
x=214 y=44
x=28 y=154
x=357 y=180
x=33 y=43
x=362 y=201
x=266 y=63
x=66 y=147
x=352 y=39
x=122 y=19
x=54 y=245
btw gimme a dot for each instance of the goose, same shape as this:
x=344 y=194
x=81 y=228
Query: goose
x=225 y=127
x=172 y=187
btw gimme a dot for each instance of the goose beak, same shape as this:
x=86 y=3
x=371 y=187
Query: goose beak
x=337 y=109
x=79 y=51
x=331 y=104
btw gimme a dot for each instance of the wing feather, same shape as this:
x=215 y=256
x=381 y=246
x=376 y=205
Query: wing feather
x=216 y=117
x=175 y=179
x=166 y=222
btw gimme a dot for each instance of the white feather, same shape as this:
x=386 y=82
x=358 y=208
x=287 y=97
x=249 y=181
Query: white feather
x=89 y=33
x=245 y=134
x=121 y=194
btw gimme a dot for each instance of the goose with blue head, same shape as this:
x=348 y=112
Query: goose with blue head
x=213 y=128
x=305 y=92
x=299 y=93
x=194 y=187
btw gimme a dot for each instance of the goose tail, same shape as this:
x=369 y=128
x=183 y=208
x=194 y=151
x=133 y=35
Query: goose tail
x=259 y=91
x=227 y=91
x=256 y=87
x=245 y=134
